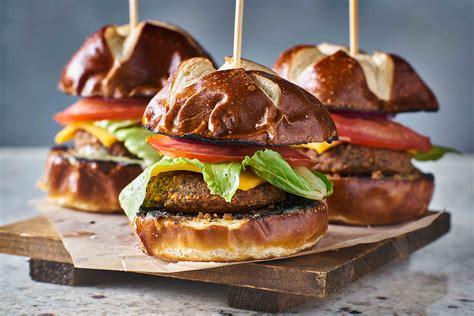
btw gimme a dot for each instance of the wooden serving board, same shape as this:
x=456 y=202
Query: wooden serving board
x=273 y=286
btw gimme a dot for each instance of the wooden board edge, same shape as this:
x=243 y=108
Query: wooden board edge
x=34 y=247
x=262 y=300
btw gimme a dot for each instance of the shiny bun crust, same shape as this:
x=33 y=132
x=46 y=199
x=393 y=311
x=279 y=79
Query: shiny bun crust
x=116 y=63
x=366 y=201
x=186 y=238
x=249 y=105
x=372 y=83
x=86 y=185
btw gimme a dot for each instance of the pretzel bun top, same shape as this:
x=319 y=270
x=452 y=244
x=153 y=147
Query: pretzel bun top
x=248 y=105
x=115 y=62
x=377 y=82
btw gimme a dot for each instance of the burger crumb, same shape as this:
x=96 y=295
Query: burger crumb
x=377 y=174
x=228 y=216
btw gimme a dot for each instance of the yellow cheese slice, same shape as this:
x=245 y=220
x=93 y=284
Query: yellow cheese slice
x=319 y=147
x=180 y=167
x=248 y=179
x=66 y=134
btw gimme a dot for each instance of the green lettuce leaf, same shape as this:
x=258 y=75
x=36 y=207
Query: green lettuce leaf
x=133 y=195
x=113 y=126
x=269 y=165
x=222 y=179
x=133 y=137
x=167 y=161
x=435 y=153
x=316 y=179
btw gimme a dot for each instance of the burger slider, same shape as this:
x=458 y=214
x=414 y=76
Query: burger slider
x=115 y=72
x=229 y=186
x=370 y=165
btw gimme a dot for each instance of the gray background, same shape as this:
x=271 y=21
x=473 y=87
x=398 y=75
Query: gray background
x=436 y=36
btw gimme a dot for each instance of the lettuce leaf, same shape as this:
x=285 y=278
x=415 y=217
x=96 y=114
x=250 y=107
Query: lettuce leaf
x=316 y=179
x=133 y=195
x=134 y=140
x=133 y=137
x=113 y=126
x=270 y=166
x=436 y=153
x=222 y=179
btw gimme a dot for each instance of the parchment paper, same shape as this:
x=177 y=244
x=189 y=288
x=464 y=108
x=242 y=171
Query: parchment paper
x=106 y=242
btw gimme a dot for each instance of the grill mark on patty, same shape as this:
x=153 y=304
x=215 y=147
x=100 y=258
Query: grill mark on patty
x=84 y=139
x=355 y=159
x=184 y=191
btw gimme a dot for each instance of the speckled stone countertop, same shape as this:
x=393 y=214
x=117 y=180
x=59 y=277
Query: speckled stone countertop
x=436 y=280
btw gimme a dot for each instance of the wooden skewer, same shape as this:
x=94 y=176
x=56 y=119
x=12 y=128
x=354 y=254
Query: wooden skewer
x=133 y=11
x=239 y=12
x=353 y=31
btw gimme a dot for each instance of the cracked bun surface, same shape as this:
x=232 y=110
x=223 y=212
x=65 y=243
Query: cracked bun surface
x=116 y=63
x=249 y=105
x=377 y=82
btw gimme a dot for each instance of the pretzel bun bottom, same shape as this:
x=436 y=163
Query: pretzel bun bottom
x=367 y=201
x=262 y=235
x=86 y=185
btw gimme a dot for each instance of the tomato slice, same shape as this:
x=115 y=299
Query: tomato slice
x=379 y=132
x=95 y=109
x=211 y=153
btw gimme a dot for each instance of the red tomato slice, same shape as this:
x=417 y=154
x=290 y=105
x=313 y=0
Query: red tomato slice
x=211 y=153
x=379 y=132
x=95 y=109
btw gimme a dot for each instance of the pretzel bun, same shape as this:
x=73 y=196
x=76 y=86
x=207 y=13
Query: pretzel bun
x=367 y=201
x=83 y=184
x=262 y=235
x=116 y=63
x=249 y=105
x=379 y=82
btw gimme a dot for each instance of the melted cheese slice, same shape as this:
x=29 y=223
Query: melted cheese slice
x=319 y=147
x=248 y=179
x=66 y=134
